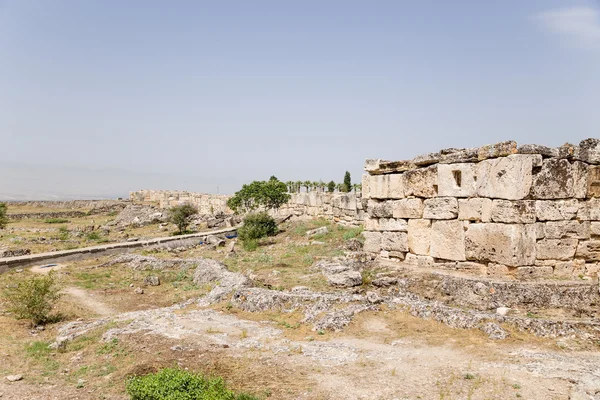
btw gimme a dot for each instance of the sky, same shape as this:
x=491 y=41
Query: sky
x=98 y=98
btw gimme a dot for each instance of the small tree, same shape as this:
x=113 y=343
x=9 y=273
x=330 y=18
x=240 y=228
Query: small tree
x=33 y=298
x=347 y=183
x=331 y=187
x=3 y=217
x=270 y=194
x=256 y=226
x=182 y=216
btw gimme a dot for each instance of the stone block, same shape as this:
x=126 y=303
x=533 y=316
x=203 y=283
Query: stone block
x=564 y=269
x=501 y=149
x=519 y=211
x=512 y=245
x=555 y=249
x=528 y=273
x=537 y=149
x=394 y=241
x=507 y=178
x=478 y=209
x=408 y=208
x=419 y=236
x=372 y=242
x=556 y=210
x=497 y=270
x=567 y=229
x=457 y=180
x=441 y=208
x=392 y=224
x=386 y=186
x=398 y=255
x=540 y=230
x=593 y=181
x=365 y=188
x=591 y=269
x=371 y=224
x=595 y=228
x=555 y=180
x=589 y=250
x=589 y=151
x=580 y=179
x=419 y=260
x=380 y=209
x=421 y=182
x=448 y=240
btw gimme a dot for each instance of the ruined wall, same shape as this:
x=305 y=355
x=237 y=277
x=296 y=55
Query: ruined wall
x=528 y=211
x=206 y=203
x=343 y=208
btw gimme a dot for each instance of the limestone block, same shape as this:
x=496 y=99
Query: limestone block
x=564 y=269
x=555 y=249
x=501 y=149
x=568 y=151
x=421 y=182
x=398 y=255
x=591 y=269
x=580 y=179
x=589 y=151
x=478 y=209
x=372 y=242
x=372 y=224
x=408 y=208
x=497 y=270
x=520 y=211
x=567 y=229
x=595 y=228
x=419 y=236
x=386 y=186
x=393 y=224
x=589 y=250
x=451 y=156
x=380 y=209
x=457 y=180
x=470 y=267
x=525 y=273
x=555 y=180
x=441 y=208
x=507 y=178
x=537 y=149
x=365 y=191
x=419 y=260
x=395 y=241
x=391 y=167
x=540 y=230
x=512 y=245
x=549 y=210
x=448 y=240
x=345 y=201
x=593 y=181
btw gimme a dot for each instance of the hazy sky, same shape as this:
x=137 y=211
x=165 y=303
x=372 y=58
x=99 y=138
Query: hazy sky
x=102 y=97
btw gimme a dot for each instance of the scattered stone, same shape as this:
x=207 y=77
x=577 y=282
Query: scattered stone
x=152 y=280
x=138 y=290
x=502 y=310
x=14 y=378
x=373 y=298
x=494 y=331
x=318 y=231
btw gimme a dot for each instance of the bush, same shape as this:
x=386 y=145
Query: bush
x=177 y=384
x=93 y=236
x=257 y=226
x=182 y=216
x=56 y=221
x=33 y=298
x=270 y=194
x=3 y=217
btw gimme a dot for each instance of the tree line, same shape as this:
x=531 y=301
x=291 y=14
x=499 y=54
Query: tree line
x=320 y=186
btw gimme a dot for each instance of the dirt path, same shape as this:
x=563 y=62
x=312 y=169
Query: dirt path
x=89 y=301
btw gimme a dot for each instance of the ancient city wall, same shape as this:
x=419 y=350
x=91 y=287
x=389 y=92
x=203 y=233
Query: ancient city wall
x=528 y=211
x=206 y=203
x=343 y=208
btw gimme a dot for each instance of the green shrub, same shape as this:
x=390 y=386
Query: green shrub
x=93 y=236
x=177 y=384
x=250 y=244
x=33 y=298
x=257 y=226
x=182 y=216
x=3 y=217
x=56 y=221
x=63 y=233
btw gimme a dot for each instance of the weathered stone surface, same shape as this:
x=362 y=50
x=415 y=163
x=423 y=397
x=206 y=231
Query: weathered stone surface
x=589 y=151
x=389 y=167
x=580 y=180
x=152 y=280
x=549 y=210
x=441 y=208
x=524 y=273
x=497 y=270
x=421 y=182
x=380 y=209
x=392 y=224
x=365 y=187
x=563 y=269
x=554 y=181
x=408 y=208
x=501 y=149
x=419 y=236
x=450 y=156
x=589 y=250
x=555 y=249
x=537 y=149
x=386 y=186
x=507 y=178
x=540 y=230
x=519 y=211
x=323 y=230
x=593 y=181
x=448 y=240
x=595 y=228
x=512 y=245
x=371 y=224
x=457 y=180
x=427 y=159
x=567 y=229
x=568 y=151
x=372 y=165
x=395 y=241
x=372 y=242
x=419 y=260
x=478 y=209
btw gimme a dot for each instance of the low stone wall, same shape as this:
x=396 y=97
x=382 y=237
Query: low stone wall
x=206 y=203
x=343 y=208
x=91 y=205
x=528 y=211
x=47 y=215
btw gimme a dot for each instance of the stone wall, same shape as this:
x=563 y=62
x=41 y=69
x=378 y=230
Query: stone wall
x=527 y=211
x=206 y=203
x=343 y=208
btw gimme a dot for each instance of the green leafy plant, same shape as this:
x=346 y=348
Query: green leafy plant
x=63 y=233
x=331 y=187
x=33 y=298
x=182 y=216
x=3 y=217
x=347 y=185
x=93 y=236
x=271 y=194
x=177 y=384
x=256 y=226
x=56 y=221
